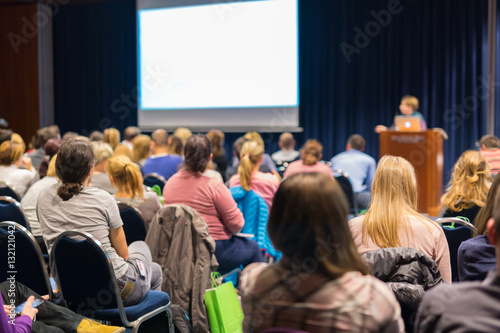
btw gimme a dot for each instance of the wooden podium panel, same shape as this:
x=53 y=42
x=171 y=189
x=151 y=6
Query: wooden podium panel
x=424 y=150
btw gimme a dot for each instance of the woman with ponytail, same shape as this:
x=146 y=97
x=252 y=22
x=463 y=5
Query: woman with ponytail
x=250 y=178
x=127 y=178
x=72 y=204
x=312 y=152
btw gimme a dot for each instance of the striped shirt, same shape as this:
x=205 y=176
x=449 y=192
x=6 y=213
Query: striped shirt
x=273 y=296
x=492 y=157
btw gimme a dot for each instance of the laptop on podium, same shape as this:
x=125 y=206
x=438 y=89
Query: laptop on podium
x=407 y=124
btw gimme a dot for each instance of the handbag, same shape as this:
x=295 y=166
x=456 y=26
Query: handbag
x=223 y=307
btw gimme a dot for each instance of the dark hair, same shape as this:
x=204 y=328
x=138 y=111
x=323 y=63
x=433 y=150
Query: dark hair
x=490 y=141
x=74 y=161
x=486 y=212
x=238 y=144
x=96 y=136
x=217 y=139
x=308 y=221
x=197 y=152
x=5 y=135
x=52 y=146
x=45 y=134
x=131 y=132
x=357 y=142
x=175 y=145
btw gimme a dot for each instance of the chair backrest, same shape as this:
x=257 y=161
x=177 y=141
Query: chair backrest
x=85 y=273
x=455 y=236
x=152 y=179
x=11 y=210
x=343 y=179
x=134 y=224
x=22 y=258
x=6 y=190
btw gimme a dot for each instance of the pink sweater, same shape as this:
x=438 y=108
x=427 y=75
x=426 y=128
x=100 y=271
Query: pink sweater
x=426 y=236
x=264 y=184
x=210 y=198
x=300 y=167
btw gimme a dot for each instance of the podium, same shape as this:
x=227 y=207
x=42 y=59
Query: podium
x=424 y=150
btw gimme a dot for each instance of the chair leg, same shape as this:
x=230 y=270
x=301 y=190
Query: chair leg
x=171 y=328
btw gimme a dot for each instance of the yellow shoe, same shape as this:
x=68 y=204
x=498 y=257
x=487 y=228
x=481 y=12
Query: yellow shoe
x=90 y=326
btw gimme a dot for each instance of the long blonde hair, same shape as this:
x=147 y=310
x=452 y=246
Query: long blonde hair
x=469 y=184
x=126 y=175
x=112 y=136
x=250 y=155
x=141 y=147
x=394 y=196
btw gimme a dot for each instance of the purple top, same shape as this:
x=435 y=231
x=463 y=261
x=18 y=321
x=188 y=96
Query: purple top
x=20 y=324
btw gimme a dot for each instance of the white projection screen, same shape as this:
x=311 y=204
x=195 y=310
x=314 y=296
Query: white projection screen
x=218 y=64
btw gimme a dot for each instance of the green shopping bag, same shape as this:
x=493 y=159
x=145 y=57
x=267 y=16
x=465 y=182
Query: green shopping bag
x=223 y=308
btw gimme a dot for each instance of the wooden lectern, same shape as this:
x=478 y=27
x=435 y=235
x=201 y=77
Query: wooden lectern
x=424 y=150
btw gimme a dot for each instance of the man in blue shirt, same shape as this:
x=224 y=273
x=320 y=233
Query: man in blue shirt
x=161 y=162
x=359 y=166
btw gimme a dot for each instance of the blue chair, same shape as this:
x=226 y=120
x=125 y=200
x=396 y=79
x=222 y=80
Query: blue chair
x=134 y=224
x=7 y=191
x=11 y=210
x=88 y=284
x=21 y=256
x=345 y=183
x=152 y=179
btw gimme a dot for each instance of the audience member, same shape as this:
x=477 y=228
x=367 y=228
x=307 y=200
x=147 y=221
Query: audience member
x=123 y=150
x=175 y=146
x=72 y=204
x=218 y=151
x=111 y=136
x=214 y=203
x=183 y=133
x=11 y=159
x=233 y=168
x=249 y=176
x=129 y=135
x=287 y=153
x=321 y=284
x=127 y=178
x=50 y=148
x=161 y=162
x=28 y=203
x=312 y=152
x=490 y=149
x=468 y=186
x=408 y=107
x=5 y=135
x=42 y=136
x=96 y=136
x=141 y=149
x=392 y=219
x=70 y=135
x=359 y=166
x=266 y=158
x=100 y=178
x=476 y=256
x=467 y=306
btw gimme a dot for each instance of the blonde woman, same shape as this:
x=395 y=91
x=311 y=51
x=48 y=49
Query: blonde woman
x=111 y=136
x=100 y=178
x=249 y=176
x=141 y=149
x=267 y=161
x=392 y=219
x=312 y=152
x=468 y=188
x=11 y=158
x=183 y=133
x=127 y=178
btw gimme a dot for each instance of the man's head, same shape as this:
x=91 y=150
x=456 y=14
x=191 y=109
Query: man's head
x=287 y=142
x=409 y=104
x=45 y=134
x=131 y=132
x=237 y=146
x=357 y=142
x=489 y=141
x=159 y=138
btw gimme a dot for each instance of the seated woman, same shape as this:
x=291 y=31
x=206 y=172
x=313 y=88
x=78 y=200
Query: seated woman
x=111 y=137
x=468 y=187
x=250 y=178
x=392 y=219
x=476 y=256
x=220 y=160
x=100 y=178
x=141 y=149
x=321 y=284
x=127 y=178
x=11 y=158
x=214 y=203
x=312 y=152
x=72 y=204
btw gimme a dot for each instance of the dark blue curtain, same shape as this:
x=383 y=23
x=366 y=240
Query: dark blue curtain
x=434 y=50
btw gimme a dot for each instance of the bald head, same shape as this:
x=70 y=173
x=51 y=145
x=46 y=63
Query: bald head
x=160 y=138
x=131 y=132
x=287 y=141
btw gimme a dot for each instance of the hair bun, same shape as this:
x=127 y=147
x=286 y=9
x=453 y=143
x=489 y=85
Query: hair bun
x=68 y=190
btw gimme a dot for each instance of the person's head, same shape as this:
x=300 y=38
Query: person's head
x=96 y=136
x=102 y=152
x=312 y=152
x=44 y=134
x=175 y=145
x=70 y=135
x=125 y=175
x=489 y=141
x=131 y=132
x=254 y=136
x=11 y=153
x=308 y=221
x=74 y=165
x=159 y=138
x=409 y=104
x=141 y=148
x=486 y=212
x=286 y=142
x=111 y=136
x=183 y=133
x=52 y=147
x=237 y=146
x=122 y=149
x=469 y=183
x=16 y=138
x=217 y=139
x=51 y=170
x=250 y=159
x=197 y=153
x=394 y=195
x=5 y=135
x=357 y=142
